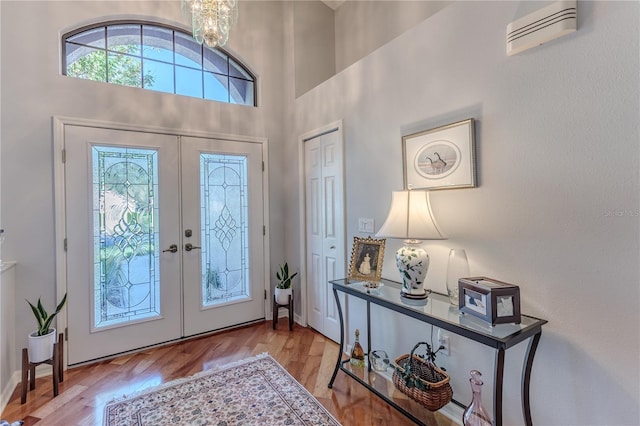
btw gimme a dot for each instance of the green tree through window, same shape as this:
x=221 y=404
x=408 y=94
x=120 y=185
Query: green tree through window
x=123 y=69
x=158 y=58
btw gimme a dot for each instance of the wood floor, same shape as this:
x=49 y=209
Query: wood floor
x=307 y=355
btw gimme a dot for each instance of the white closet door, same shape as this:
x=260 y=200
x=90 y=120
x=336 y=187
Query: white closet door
x=325 y=229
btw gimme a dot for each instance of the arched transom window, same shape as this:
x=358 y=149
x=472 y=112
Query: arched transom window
x=156 y=57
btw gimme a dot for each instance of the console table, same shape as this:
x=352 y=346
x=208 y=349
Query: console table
x=437 y=311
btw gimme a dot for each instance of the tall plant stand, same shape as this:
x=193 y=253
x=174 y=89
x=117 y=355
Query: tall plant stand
x=288 y=306
x=29 y=369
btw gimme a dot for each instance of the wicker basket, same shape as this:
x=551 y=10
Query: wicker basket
x=436 y=392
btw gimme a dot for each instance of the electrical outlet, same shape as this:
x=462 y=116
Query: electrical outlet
x=443 y=340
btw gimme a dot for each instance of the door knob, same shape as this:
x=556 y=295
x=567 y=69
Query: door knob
x=189 y=247
x=172 y=248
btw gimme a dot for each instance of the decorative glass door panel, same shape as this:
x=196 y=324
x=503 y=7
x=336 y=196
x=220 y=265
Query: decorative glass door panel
x=125 y=236
x=223 y=260
x=122 y=217
x=224 y=221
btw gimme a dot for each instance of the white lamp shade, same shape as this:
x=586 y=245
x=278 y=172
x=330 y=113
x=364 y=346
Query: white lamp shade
x=410 y=218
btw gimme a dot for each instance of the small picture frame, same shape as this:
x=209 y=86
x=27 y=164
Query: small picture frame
x=493 y=301
x=367 y=255
x=440 y=158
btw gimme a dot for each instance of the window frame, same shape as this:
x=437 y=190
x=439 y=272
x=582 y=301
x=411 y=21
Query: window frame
x=234 y=65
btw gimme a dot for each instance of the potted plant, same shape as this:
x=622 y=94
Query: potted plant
x=42 y=340
x=283 y=288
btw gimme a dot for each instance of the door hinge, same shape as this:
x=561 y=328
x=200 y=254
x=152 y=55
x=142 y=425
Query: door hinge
x=64 y=155
x=66 y=333
x=263 y=166
x=264 y=230
x=65 y=244
x=265 y=294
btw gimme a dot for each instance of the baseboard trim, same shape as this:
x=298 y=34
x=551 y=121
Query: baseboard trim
x=453 y=412
x=15 y=380
x=8 y=390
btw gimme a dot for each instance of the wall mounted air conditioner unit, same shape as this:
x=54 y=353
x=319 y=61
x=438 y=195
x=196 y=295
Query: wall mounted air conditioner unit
x=546 y=24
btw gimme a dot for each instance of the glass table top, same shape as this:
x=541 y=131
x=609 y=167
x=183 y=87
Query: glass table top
x=436 y=307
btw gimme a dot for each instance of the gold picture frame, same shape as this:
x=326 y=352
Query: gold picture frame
x=367 y=255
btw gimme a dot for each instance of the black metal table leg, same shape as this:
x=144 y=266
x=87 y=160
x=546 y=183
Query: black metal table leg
x=335 y=372
x=368 y=333
x=497 y=387
x=526 y=378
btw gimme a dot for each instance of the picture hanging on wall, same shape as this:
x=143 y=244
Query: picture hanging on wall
x=440 y=158
x=367 y=255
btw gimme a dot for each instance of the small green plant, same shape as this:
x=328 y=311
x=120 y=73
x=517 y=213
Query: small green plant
x=284 y=279
x=44 y=319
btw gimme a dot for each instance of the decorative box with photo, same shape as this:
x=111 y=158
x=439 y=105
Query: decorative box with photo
x=493 y=301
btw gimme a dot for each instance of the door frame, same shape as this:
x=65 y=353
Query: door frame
x=59 y=123
x=302 y=206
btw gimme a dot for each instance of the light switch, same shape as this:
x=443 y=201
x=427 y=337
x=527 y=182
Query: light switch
x=365 y=225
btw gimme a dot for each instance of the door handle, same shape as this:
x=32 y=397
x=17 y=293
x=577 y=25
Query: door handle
x=332 y=247
x=189 y=247
x=172 y=248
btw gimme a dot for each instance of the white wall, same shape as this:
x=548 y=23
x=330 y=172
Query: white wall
x=363 y=26
x=314 y=44
x=557 y=207
x=33 y=91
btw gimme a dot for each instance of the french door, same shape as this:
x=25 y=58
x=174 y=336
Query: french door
x=223 y=222
x=164 y=238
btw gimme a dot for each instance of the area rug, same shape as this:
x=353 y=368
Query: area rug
x=255 y=391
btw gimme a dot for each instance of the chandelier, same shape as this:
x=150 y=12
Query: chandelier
x=211 y=19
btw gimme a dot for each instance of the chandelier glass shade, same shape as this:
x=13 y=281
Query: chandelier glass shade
x=211 y=20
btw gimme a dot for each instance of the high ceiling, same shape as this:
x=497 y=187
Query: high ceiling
x=333 y=4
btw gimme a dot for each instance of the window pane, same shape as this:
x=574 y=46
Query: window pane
x=241 y=91
x=173 y=62
x=125 y=70
x=225 y=248
x=215 y=61
x=236 y=70
x=125 y=234
x=87 y=63
x=188 y=51
x=215 y=87
x=188 y=82
x=94 y=37
x=124 y=35
x=158 y=76
x=157 y=43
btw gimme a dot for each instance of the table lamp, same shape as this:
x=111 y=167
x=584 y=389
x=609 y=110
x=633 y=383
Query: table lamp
x=411 y=219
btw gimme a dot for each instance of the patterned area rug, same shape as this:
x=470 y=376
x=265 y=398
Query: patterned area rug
x=255 y=391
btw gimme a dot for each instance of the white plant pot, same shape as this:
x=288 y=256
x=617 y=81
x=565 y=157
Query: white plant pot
x=41 y=347
x=282 y=295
